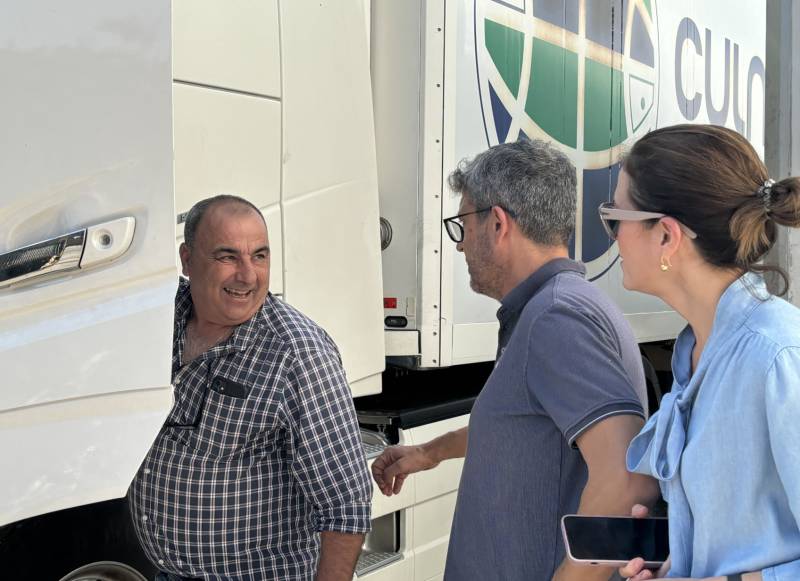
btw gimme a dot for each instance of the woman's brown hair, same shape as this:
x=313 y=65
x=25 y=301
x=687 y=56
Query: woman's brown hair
x=711 y=179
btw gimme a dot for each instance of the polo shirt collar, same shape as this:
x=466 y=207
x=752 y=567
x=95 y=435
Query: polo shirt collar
x=518 y=297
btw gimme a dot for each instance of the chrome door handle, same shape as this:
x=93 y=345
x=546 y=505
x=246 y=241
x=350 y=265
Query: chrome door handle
x=55 y=255
x=76 y=250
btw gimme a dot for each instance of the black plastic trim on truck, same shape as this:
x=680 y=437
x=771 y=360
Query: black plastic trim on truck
x=413 y=417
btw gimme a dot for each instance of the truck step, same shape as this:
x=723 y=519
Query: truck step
x=371 y=560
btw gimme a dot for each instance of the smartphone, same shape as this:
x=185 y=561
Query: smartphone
x=615 y=540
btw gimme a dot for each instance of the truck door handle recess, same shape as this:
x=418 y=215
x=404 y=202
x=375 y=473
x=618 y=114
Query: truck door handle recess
x=74 y=251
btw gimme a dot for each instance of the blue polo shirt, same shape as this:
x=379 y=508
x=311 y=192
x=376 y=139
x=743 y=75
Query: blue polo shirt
x=567 y=360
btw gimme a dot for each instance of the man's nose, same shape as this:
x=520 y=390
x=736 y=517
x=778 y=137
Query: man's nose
x=246 y=272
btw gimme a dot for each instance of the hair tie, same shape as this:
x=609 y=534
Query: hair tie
x=765 y=193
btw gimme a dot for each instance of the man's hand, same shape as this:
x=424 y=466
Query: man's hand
x=391 y=468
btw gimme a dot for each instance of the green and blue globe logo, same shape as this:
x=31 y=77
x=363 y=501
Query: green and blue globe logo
x=582 y=73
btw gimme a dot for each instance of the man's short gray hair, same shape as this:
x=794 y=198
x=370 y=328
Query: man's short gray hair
x=195 y=215
x=531 y=179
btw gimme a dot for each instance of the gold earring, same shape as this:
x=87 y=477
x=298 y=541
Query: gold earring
x=665 y=264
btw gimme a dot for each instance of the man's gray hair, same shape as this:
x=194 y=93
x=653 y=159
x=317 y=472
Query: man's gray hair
x=195 y=215
x=530 y=179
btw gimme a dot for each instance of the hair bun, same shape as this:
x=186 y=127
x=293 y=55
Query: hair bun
x=784 y=203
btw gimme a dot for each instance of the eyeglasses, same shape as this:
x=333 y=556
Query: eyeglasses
x=455 y=226
x=610 y=217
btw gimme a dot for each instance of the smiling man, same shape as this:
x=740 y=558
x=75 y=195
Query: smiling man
x=259 y=470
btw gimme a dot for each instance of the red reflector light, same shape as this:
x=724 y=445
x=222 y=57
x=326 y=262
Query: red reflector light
x=389 y=303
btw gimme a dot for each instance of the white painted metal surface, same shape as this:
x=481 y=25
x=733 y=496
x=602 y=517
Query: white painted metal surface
x=86 y=116
x=234 y=45
x=396 y=65
x=431 y=147
x=329 y=182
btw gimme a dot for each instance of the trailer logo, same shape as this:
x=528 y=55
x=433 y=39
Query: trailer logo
x=580 y=72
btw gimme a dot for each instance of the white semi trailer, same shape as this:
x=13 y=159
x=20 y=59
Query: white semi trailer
x=340 y=119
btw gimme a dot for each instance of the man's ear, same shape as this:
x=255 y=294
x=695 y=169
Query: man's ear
x=502 y=221
x=184 y=253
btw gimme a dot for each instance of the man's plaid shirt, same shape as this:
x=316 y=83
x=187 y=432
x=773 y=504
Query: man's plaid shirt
x=238 y=486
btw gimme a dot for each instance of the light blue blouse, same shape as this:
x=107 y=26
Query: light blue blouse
x=725 y=444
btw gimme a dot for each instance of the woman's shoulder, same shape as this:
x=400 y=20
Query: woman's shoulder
x=774 y=325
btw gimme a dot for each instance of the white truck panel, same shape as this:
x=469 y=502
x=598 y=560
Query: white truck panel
x=731 y=33
x=76 y=452
x=432 y=521
x=226 y=143
x=401 y=342
x=97 y=335
x=235 y=45
x=86 y=355
x=431 y=146
x=329 y=182
x=396 y=64
x=435 y=494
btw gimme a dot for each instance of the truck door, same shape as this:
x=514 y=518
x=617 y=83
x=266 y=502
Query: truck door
x=87 y=232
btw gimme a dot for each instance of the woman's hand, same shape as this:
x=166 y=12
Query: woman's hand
x=634 y=570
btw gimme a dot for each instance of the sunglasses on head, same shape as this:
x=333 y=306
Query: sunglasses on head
x=611 y=216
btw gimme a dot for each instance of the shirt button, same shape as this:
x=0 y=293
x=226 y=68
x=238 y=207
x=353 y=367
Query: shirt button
x=144 y=517
x=147 y=471
x=161 y=561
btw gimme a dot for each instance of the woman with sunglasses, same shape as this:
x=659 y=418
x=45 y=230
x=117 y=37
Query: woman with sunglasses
x=693 y=214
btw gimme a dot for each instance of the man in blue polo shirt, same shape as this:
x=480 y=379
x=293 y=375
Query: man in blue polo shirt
x=549 y=432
